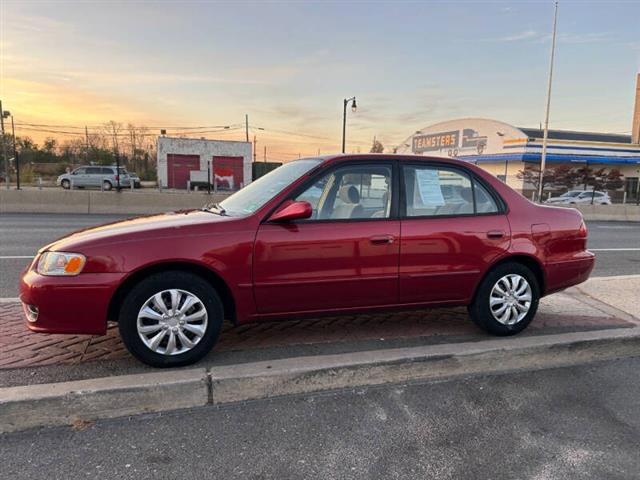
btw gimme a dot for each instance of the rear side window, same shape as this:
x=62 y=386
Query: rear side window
x=440 y=191
x=93 y=170
x=485 y=203
x=107 y=171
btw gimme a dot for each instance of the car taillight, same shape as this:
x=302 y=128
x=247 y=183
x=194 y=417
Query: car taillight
x=583 y=230
x=117 y=178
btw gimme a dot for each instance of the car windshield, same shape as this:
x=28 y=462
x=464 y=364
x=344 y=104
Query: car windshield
x=257 y=193
x=573 y=193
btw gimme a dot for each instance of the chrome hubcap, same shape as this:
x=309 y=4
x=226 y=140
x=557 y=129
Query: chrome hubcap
x=172 y=322
x=510 y=299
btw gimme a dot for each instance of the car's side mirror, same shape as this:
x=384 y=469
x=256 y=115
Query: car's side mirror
x=292 y=211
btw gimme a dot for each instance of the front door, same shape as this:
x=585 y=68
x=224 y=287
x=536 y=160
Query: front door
x=344 y=256
x=452 y=227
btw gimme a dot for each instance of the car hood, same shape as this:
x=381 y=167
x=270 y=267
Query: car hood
x=139 y=229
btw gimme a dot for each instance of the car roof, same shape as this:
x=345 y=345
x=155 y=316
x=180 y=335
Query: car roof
x=392 y=156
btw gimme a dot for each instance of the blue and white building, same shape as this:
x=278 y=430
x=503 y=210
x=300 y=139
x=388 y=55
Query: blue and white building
x=504 y=149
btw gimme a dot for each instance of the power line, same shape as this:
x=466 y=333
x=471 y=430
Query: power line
x=179 y=127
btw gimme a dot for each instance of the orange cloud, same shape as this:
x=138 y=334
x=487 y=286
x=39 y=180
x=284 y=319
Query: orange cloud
x=38 y=102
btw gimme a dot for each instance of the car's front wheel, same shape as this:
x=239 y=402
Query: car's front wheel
x=506 y=300
x=171 y=319
x=66 y=184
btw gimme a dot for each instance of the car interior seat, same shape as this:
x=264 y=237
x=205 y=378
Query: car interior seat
x=385 y=207
x=350 y=207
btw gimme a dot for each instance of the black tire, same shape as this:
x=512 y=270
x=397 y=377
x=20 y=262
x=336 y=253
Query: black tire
x=159 y=282
x=66 y=184
x=106 y=185
x=480 y=310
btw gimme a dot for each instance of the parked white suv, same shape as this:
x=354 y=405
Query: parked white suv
x=581 y=196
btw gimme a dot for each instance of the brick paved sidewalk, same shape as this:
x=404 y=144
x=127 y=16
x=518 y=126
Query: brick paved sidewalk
x=20 y=348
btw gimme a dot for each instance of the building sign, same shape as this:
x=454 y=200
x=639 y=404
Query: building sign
x=435 y=141
x=453 y=142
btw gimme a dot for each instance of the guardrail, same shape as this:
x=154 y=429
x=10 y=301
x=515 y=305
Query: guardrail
x=144 y=202
x=86 y=201
x=615 y=212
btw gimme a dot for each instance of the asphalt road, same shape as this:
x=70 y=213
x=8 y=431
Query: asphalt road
x=577 y=422
x=21 y=235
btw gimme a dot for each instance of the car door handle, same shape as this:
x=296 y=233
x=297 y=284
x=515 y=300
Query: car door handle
x=495 y=234
x=382 y=239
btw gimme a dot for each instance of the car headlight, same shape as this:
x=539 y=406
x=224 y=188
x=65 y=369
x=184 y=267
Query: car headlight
x=61 y=263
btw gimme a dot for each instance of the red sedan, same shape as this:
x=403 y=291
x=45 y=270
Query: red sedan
x=315 y=236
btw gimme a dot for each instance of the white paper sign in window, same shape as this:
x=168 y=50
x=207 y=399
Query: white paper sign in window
x=429 y=191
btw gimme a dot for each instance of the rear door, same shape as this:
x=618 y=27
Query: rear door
x=345 y=256
x=453 y=226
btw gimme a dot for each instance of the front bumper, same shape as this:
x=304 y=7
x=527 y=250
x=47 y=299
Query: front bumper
x=76 y=305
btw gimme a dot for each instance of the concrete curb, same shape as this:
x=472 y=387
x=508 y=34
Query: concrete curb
x=48 y=405
x=63 y=403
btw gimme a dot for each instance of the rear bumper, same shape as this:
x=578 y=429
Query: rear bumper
x=75 y=305
x=566 y=273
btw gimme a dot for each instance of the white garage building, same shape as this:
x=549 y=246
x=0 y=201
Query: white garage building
x=181 y=160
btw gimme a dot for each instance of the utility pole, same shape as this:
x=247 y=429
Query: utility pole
x=15 y=154
x=4 y=147
x=246 y=126
x=265 y=154
x=255 y=152
x=86 y=145
x=545 y=138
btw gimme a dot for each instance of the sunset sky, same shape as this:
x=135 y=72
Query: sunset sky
x=290 y=64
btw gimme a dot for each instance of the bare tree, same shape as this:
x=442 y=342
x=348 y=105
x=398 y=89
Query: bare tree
x=376 y=147
x=113 y=130
x=603 y=180
x=138 y=139
x=531 y=175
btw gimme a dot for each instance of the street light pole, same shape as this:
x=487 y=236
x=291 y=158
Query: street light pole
x=344 y=118
x=543 y=158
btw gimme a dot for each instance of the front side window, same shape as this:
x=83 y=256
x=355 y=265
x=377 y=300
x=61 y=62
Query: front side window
x=80 y=171
x=259 y=192
x=352 y=192
x=440 y=191
x=93 y=171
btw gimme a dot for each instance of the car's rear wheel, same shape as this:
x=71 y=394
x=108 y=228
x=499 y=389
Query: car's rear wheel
x=66 y=184
x=506 y=300
x=106 y=185
x=171 y=319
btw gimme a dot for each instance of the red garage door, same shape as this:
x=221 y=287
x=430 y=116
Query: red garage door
x=229 y=172
x=178 y=168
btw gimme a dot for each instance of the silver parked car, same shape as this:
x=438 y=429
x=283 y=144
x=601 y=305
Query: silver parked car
x=581 y=196
x=95 y=176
